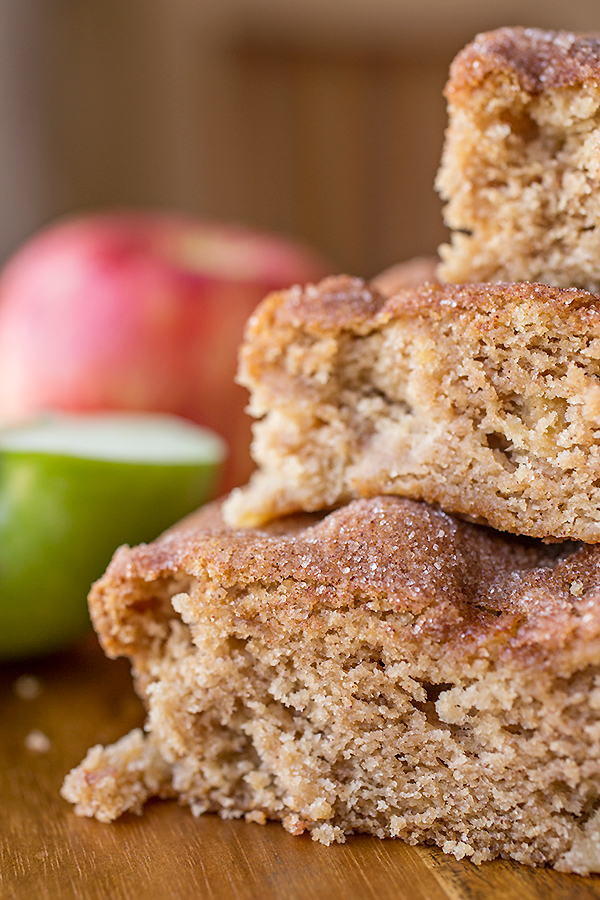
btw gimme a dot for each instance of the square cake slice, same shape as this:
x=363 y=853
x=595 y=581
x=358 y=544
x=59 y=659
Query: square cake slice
x=483 y=399
x=385 y=668
x=521 y=164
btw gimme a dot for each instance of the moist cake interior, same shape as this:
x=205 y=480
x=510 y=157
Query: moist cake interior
x=385 y=668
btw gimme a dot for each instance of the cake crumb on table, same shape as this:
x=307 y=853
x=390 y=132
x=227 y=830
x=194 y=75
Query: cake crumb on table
x=28 y=687
x=37 y=742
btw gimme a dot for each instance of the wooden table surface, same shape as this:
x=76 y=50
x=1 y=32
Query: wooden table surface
x=48 y=853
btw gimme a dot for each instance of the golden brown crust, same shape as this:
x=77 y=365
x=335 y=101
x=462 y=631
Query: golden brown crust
x=536 y=59
x=337 y=303
x=431 y=298
x=341 y=303
x=466 y=588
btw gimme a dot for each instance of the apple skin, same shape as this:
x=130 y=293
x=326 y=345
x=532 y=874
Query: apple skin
x=61 y=519
x=139 y=310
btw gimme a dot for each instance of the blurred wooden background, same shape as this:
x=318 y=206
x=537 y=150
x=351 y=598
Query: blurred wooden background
x=322 y=119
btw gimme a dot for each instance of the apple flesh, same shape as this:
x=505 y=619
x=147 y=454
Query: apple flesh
x=139 y=311
x=72 y=489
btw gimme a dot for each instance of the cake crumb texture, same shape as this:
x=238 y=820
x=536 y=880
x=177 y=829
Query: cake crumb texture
x=520 y=170
x=481 y=398
x=385 y=668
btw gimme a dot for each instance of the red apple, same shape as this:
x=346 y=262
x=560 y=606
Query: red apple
x=139 y=311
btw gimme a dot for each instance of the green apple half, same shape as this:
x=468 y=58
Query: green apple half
x=72 y=489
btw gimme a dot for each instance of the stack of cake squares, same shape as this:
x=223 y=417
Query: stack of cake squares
x=395 y=627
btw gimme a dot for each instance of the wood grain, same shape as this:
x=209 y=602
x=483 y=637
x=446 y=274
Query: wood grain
x=48 y=853
x=157 y=104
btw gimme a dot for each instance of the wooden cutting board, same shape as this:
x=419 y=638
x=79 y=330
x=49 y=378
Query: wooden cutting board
x=48 y=853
